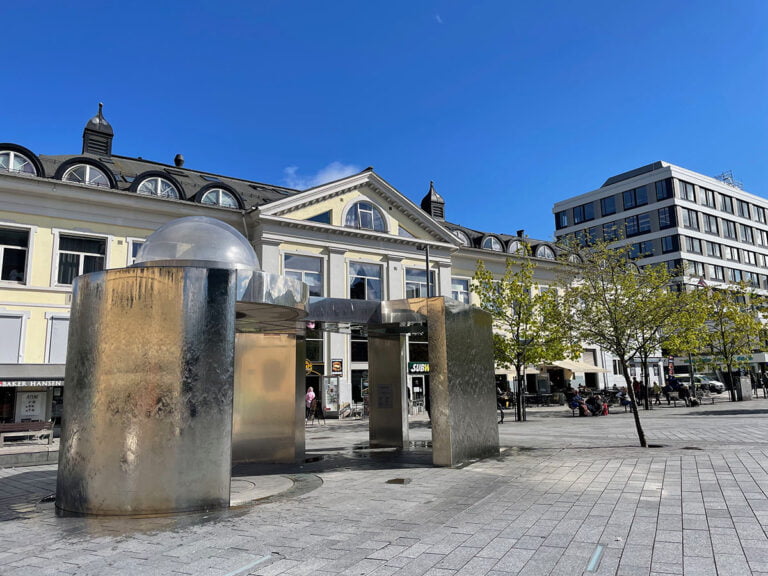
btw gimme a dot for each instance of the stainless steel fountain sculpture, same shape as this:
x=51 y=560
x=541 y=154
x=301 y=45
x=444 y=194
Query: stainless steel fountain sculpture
x=193 y=359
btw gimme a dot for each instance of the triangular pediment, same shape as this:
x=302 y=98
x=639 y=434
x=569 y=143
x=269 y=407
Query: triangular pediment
x=328 y=205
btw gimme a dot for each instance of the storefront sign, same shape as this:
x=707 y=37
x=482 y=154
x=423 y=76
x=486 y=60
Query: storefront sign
x=337 y=366
x=418 y=367
x=18 y=383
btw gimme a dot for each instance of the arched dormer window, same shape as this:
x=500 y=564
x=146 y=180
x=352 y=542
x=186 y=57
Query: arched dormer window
x=86 y=171
x=492 y=243
x=461 y=236
x=516 y=247
x=157 y=184
x=575 y=259
x=218 y=196
x=365 y=216
x=544 y=251
x=19 y=160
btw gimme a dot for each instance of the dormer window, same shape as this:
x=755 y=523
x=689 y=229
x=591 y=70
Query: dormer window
x=220 y=197
x=158 y=186
x=461 y=236
x=492 y=243
x=516 y=247
x=86 y=174
x=545 y=252
x=365 y=216
x=11 y=161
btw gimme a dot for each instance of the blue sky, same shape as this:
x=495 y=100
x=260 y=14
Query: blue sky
x=508 y=106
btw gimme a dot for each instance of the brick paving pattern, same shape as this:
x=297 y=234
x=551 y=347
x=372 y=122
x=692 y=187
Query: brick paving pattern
x=567 y=496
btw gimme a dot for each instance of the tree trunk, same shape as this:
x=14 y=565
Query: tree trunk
x=520 y=394
x=732 y=391
x=635 y=411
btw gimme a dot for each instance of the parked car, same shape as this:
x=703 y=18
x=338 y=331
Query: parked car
x=702 y=383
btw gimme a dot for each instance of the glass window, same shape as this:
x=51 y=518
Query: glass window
x=687 y=191
x=630 y=226
x=460 y=290
x=157 y=186
x=86 y=174
x=666 y=217
x=692 y=245
x=610 y=231
x=641 y=249
x=635 y=197
x=726 y=204
x=710 y=224
x=608 y=205
x=759 y=214
x=690 y=219
x=365 y=281
x=461 y=236
x=716 y=272
x=359 y=345
x=492 y=243
x=664 y=189
x=749 y=257
x=731 y=253
x=713 y=250
x=584 y=213
x=693 y=268
x=308 y=269
x=669 y=244
x=359 y=381
x=546 y=252
x=516 y=247
x=644 y=223
x=561 y=219
x=314 y=344
x=133 y=251
x=11 y=161
x=761 y=236
x=416 y=283
x=79 y=255
x=220 y=197
x=708 y=198
x=734 y=275
x=729 y=229
x=14 y=244
x=746 y=234
x=366 y=216
x=743 y=208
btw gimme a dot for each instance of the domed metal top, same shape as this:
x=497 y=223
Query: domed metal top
x=198 y=241
x=99 y=124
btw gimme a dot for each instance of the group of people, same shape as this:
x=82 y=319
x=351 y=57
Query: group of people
x=594 y=405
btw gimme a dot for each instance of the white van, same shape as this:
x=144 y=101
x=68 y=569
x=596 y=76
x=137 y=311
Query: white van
x=702 y=382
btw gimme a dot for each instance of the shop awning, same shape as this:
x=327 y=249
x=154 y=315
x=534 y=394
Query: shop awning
x=576 y=366
x=32 y=374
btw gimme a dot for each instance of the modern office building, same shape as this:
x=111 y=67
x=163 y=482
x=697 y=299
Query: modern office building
x=709 y=228
x=357 y=237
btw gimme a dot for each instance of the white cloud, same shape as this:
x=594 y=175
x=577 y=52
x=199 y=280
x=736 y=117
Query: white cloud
x=439 y=20
x=331 y=172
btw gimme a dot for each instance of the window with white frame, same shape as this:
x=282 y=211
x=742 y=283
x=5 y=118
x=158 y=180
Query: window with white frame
x=58 y=330
x=11 y=161
x=416 y=283
x=365 y=281
x=78 y=255
x=308 y=269
x=461 y=236
x=516 y=247
x=86 y=174
x=365 y=216
x=133 y=250
x=10 y=338
x=545 y=252
x=158 y=186
x=460 y=289
x=492 y=243
x=14 y=245
x=220 y=197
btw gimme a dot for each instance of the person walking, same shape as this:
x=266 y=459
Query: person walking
x=308 y=397
x=656 y=393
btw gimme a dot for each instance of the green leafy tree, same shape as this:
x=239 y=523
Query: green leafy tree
x=613 y=303
x=733 y=327
x=527 y=326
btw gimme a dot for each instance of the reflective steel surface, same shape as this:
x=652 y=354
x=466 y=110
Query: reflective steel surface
x=268 y=422
x=462 y=383
x=388 y=421
x=148 y=412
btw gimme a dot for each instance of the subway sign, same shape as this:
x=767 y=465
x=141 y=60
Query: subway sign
x=418 y=367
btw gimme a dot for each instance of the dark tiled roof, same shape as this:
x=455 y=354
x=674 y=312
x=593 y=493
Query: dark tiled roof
x=476 y=237
x=126 y=170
